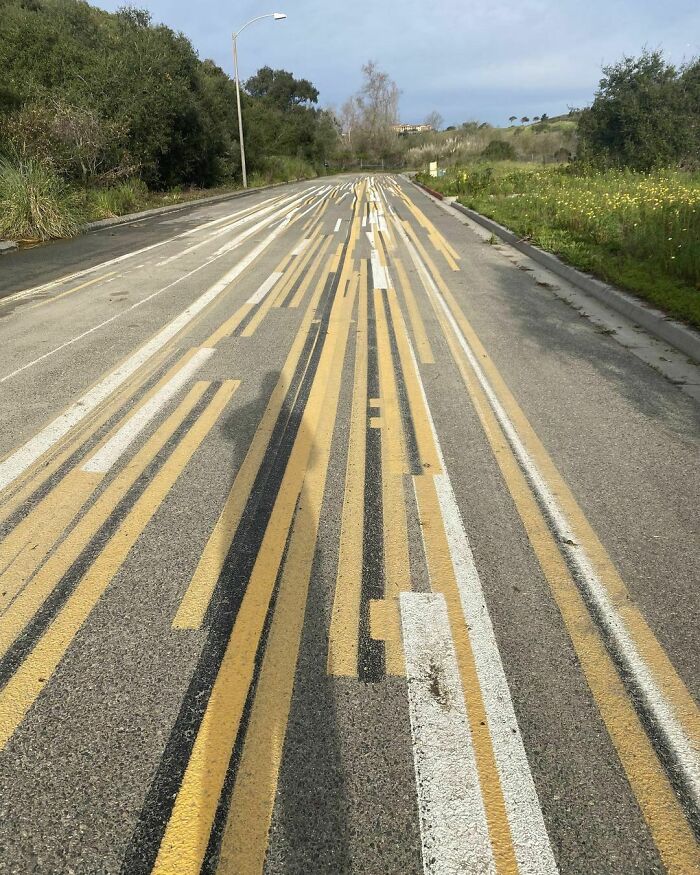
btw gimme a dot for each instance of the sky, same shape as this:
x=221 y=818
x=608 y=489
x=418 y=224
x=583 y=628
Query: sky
x=466 y=59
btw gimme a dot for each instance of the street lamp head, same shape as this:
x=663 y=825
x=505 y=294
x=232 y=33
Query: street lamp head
x=278 y=16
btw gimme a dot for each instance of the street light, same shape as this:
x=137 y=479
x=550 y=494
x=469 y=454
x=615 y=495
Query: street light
x=276 y=16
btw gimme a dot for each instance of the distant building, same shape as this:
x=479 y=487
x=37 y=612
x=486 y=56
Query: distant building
x=412 y=129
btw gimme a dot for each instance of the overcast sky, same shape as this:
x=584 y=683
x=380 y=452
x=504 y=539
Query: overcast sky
x=482 y=60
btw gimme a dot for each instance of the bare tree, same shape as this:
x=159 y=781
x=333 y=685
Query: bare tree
x=435 y=120
x=367 y=117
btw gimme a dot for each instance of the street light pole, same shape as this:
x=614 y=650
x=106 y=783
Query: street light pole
x=276 y=16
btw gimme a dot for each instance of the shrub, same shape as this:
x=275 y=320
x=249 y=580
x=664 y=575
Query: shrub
x=36 y=204
x=499 y=150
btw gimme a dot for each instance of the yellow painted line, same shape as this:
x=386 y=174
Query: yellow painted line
x=24 y=549
x=186 y=836
x=190 y=614
x=653 y=654
x=345 y=618
x=71 y=291
x=425 y=352
x=271 y=300
x=245 y=839
x=428 y=452
x=657 y=801
x=435 y=236
x=26 y=604
x=385 y=620
x=35 y=672
x=227 y=328
x=310 y=273
x=397 y=572
x=293 y=275
x=39 y=473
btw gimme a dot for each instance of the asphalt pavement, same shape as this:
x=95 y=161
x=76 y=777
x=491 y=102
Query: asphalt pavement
x=334 y=541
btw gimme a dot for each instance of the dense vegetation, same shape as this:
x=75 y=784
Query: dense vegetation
x=646 y=114
x=110 y=102
x=637 y=230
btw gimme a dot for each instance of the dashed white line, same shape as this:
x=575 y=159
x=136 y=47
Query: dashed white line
x=269 y=283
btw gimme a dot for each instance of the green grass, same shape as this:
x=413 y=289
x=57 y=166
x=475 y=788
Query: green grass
x=639 y=231
x=36 y=204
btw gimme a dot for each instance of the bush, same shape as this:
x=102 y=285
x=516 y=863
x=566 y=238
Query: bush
x=36 y=204
x=499 y=150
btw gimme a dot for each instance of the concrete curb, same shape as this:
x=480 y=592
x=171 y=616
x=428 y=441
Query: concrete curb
x=171 y=208
x=7 y=246
x=657 y=323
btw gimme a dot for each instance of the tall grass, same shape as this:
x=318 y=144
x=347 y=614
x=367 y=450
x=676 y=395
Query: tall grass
x=36 y=204
x=638 y=230
x=127 y=197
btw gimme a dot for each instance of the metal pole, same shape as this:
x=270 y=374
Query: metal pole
x=240 y=117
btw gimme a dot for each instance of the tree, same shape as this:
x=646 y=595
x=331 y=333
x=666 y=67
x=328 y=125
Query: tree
x=368 y=116
x=524 y=120
x=513 y=118
x=435 y=120
x=499 y=150
x=643 y=115
x=281 y=88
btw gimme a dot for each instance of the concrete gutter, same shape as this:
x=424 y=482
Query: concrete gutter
x=657 y=323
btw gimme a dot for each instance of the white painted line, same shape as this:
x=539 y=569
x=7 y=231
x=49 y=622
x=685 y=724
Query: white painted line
x=301 y=246
x=88 y=270
x=533 y=851
x=337 y=226
x=380 y=279
x=342 y=197
x=105 y=457
x=18 y=462
x=275 y=208
x=119 y=315
x=651 y=696
x=453 y=826
x=364 y=221
x=257 y=297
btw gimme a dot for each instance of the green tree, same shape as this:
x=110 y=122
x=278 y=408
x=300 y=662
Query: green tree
x=645 y=114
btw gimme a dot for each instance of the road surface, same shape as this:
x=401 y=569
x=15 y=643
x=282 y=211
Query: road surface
x=333 y=542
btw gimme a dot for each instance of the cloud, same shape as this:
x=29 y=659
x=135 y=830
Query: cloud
x=463 y=58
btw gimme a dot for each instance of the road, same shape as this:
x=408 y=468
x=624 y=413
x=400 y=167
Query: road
x=333 y=542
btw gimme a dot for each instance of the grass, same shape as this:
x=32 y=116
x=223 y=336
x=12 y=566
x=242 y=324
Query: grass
x=639 y=231
x=36 y=204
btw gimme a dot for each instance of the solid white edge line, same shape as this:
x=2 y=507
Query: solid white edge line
x=337 y=225
x=18 y=462
x=269 y=283
x=676 y=740
x=44 y=287
x=453 y=825
x=104 y=458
